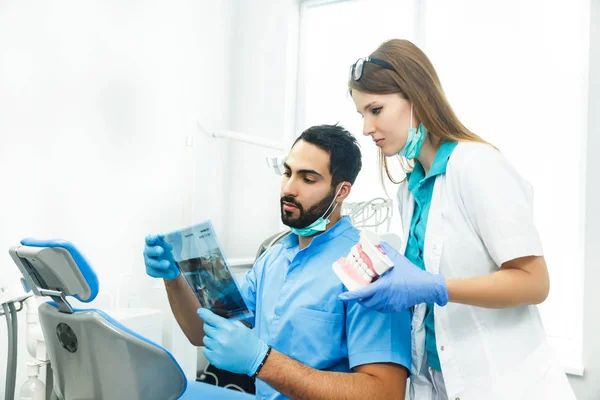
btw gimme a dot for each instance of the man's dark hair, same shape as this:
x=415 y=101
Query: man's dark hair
x=345 y=160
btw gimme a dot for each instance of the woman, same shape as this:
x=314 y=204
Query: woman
x=470 y=245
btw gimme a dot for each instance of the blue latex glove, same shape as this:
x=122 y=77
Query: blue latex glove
x=158 y=258
x=400 y=288
x=231 y=345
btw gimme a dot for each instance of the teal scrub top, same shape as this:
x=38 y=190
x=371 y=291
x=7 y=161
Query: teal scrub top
x=421 y=187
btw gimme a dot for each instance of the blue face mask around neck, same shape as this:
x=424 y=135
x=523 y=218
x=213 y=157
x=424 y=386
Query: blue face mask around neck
x=416 y=137
x=320 y=224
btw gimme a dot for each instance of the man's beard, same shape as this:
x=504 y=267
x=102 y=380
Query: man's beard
x=306 y=217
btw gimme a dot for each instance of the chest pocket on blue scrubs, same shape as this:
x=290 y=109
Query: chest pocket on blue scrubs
x=318 y=338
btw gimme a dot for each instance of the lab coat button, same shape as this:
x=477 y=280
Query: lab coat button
x=442 y=349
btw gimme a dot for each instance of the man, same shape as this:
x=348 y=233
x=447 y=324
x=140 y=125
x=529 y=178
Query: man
x=306 y=344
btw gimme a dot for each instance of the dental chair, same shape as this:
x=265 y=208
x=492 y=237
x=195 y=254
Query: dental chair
x=92 y=355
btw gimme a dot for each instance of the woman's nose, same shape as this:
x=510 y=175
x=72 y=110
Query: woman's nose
x=368 y=127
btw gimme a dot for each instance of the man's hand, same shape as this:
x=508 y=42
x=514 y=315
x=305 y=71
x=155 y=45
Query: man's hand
x=159 y=258
x=231 y=345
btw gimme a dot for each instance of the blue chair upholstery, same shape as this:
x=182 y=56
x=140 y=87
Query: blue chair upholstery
x=92 y=355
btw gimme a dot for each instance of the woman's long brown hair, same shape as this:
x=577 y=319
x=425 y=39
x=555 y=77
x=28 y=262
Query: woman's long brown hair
x=417 y=82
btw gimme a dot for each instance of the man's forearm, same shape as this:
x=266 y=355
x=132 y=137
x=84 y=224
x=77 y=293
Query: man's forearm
x=298 y=382
x=184 y=306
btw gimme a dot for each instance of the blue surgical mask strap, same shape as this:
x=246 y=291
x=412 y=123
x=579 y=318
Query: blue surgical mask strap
x=332 y=203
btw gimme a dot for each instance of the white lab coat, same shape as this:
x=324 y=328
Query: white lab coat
x=480 y=217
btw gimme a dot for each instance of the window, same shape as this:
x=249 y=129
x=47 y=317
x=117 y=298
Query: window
x=333 y=36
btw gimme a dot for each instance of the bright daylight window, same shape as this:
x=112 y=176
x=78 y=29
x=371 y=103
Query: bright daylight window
x=334 y=34
x=495 y=62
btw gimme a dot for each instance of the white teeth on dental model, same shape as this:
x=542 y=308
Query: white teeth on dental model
x=358 y=264
x=362 y=269
x=365 y=262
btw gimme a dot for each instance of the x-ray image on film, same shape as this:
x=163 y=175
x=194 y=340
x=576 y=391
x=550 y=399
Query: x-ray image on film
x=202 y=263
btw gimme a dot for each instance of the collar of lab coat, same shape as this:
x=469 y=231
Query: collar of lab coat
x=438 y=167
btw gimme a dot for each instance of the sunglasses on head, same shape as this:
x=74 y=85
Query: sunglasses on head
x=356 y=71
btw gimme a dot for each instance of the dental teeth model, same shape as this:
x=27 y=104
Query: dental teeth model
x=365 y=263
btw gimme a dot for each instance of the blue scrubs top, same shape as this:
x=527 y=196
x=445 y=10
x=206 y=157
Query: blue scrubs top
x=421 y=187
x=294 y=295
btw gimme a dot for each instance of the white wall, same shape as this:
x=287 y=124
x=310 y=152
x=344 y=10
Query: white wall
x=96 y=99
x=588 y=386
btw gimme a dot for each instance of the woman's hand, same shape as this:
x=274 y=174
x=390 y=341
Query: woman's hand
x=400 y=288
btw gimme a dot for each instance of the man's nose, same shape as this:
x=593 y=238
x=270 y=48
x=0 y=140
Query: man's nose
x=288 y=188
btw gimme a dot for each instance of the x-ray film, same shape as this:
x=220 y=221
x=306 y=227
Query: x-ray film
x=198 y=255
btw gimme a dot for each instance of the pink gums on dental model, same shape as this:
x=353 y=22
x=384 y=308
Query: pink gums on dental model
x=365 y=263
